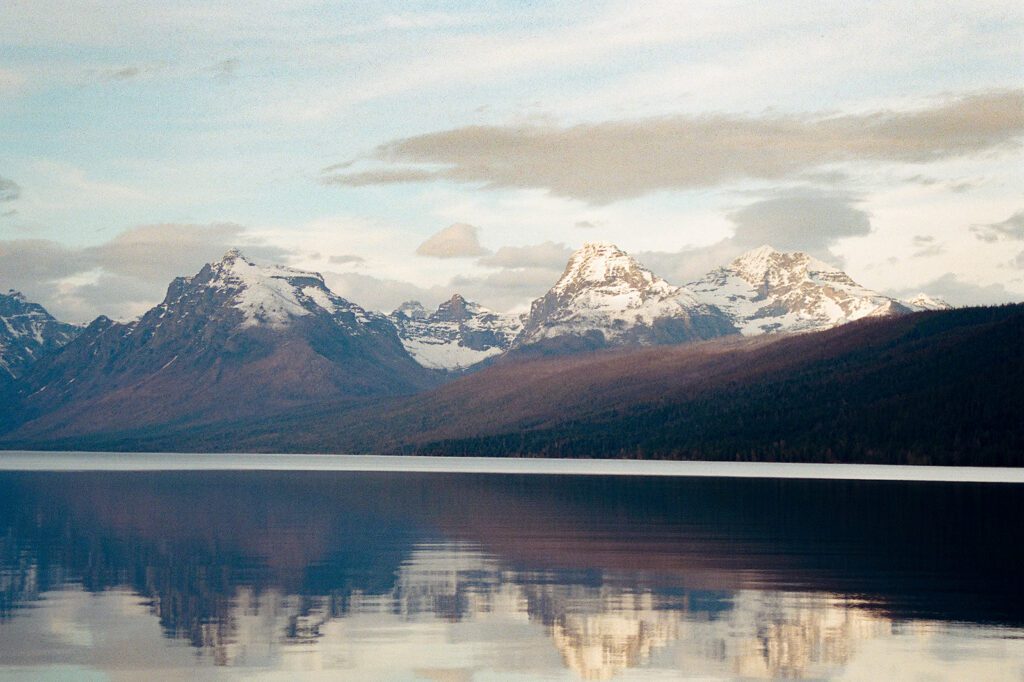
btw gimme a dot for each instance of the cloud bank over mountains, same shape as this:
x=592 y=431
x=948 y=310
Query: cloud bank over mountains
x=121 y=277
x=407 y=153
x=614 y=160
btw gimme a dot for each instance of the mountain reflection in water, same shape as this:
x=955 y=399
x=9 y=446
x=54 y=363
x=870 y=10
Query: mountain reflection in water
x=439 y=576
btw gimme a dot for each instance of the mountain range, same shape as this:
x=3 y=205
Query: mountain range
x=256 y=356
x=236 y=339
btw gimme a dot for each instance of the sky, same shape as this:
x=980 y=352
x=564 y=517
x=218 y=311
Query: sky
x=412 y=150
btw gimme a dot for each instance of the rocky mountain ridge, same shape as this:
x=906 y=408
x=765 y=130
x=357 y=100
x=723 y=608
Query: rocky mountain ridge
x=606 y=297
x=765 y=291
x=236 y=339
x=458 y=335
x=28 y=332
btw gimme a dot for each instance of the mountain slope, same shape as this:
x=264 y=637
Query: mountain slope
x=765 y=291
x=237 y=339
x=941 y=387
x=605 y=298
x=458 y=335
x=929 y=388
x=27 y=332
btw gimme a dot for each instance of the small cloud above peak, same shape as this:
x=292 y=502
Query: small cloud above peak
x=551 y=255
x=346 y=259
x=9 y=190
x=1011 y=229
x=458 y=240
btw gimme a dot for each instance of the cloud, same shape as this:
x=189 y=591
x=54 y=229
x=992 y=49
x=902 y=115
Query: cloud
x=130 y=73
x=929 y=251
x=458 y=240
x=9 y=190
x=585 y=224
x=161 y=252
x=225 y=70
x=1010 y=229
x=10 y=81
x=124 y=74
x=550 y=255
x=123 y=276
x=377 y=177
x=346 y=259
x=504 y=289
x=805 y=220
x=605 y=162
x=27 y=262
x=507 y=288
x=383 y=294
x=798 y=220
x=950 y=287
x=923 y=240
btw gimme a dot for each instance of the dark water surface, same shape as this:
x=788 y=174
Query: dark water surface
x=450 y=577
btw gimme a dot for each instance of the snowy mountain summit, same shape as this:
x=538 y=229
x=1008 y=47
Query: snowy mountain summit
x=237 y=339
x=457 y=335
x=606 y=297
x=923 y=301
x=273 y=296
x=765 y=290
x=27 y=331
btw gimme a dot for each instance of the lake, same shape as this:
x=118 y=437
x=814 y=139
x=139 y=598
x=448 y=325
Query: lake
x=192 y=571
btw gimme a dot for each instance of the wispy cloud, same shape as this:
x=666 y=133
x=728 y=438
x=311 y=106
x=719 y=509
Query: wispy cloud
x=346 y=259
x=122 y=276
x=550 y=255
x=1010 y=229
x=9 y=190
x=605 y=162
x=800 y=220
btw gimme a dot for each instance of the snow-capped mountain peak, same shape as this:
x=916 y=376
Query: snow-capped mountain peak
x=606 y=297
x=604 y=265
x=273 y=295
x=412 y=309
x=923 y=301
x=766 y=290
x=755 y=264
x=458 y=335
x=456 y=309
x=27 y=331
x=767 y=267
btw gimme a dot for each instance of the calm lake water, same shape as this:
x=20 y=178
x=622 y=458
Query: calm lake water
x=452 y=577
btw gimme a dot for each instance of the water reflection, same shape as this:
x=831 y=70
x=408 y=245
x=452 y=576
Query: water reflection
x=447 y=577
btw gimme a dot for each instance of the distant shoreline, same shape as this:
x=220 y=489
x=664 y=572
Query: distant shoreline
x=18 y=460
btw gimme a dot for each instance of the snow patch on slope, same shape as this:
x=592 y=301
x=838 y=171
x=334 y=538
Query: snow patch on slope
x=447 y=355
